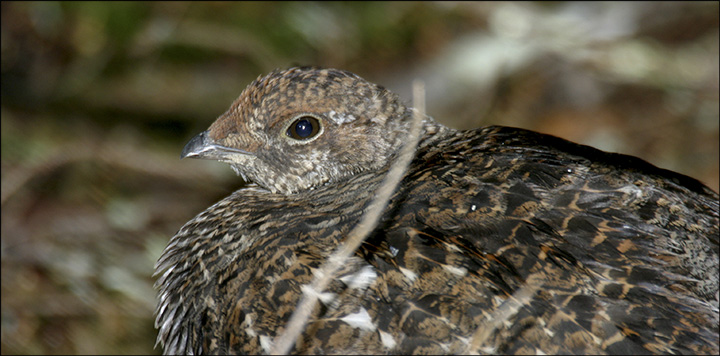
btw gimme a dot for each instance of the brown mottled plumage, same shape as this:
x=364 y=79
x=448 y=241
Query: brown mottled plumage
x=497 y=240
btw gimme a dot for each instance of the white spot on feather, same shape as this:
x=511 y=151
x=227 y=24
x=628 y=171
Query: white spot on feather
x=633 y=193
x=452 y=247
x=408 y=274
x=249 y=322
x=266 y=343
x=387 y=340
x=458 y=271
x=549 y=332
x=464 y=340
x=360 y=279
x=251 y=332
x=394 y=251
x=360 y=320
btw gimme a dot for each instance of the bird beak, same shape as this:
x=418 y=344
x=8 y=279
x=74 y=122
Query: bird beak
x=202 y=146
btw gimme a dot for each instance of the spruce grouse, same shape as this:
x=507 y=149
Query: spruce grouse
x=497 y=240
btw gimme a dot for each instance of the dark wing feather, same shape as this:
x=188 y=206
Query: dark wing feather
x=623 y=254
x=498 y=240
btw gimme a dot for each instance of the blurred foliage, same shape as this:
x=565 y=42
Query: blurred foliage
x=98 y=99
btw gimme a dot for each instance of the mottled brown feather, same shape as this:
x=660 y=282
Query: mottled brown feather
x=498 y=240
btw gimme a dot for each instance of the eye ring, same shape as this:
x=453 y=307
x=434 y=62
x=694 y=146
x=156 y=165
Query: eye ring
x=304 y=127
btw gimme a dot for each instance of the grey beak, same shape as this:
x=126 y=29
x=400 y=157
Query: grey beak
x=202 y=146
x=198 y=146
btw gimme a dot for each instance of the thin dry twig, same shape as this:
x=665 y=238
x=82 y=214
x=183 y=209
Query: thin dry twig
x=327 y=271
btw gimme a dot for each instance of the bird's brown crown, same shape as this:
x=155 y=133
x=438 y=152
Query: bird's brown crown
x=296 y=129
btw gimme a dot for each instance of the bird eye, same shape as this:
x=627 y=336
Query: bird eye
x=303 y=128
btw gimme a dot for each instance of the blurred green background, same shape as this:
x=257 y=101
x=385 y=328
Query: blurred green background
x=98 y=99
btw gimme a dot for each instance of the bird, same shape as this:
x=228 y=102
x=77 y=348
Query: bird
x=495 y=240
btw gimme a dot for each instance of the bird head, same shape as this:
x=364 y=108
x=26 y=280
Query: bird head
x=300 y=128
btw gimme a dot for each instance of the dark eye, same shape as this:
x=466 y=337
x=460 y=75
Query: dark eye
x=303 y=128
